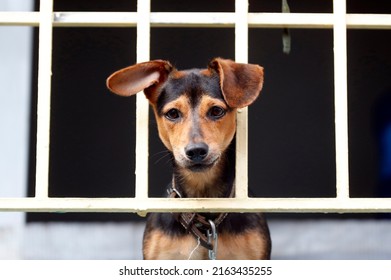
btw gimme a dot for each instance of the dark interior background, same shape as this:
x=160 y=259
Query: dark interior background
x=291 y=136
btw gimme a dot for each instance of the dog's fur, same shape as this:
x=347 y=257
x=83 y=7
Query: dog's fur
x=196 y=116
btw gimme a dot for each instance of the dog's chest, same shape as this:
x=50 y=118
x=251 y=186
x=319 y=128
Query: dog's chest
x=238 y=246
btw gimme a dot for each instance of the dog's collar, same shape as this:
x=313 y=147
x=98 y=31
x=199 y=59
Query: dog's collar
x=196 y=223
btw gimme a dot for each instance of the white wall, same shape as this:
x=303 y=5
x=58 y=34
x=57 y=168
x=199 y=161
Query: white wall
x=15 y=90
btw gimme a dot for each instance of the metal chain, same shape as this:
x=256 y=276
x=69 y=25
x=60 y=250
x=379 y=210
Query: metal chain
x=212 y=236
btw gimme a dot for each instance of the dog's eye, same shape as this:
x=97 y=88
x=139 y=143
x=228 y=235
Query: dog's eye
x=173 y=115
x=216 y=112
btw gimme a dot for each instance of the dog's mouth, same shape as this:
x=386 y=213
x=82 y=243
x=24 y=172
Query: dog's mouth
x=200 y=167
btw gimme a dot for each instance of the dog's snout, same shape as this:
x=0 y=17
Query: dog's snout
x=197 y=152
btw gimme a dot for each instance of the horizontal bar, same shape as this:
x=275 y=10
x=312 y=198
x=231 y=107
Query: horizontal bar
x=95 y=19
x=368 y=21
x=142 y=206
x=318 y=20
x=193 y=19
x=291 y=20
x=255 y=20
x=19 y=18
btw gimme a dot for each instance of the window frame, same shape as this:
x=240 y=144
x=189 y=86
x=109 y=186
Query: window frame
x=143 y=20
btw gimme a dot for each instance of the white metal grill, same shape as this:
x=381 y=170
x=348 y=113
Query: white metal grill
x=241 y=20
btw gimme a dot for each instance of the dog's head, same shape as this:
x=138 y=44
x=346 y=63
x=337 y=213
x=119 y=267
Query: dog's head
x=195 y=109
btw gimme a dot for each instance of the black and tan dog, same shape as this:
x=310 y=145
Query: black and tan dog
x=196 y=116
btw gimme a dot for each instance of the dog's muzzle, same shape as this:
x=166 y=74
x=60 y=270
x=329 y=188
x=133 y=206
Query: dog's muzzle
x=198 y=157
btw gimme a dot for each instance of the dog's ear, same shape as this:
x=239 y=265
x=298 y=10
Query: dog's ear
x=240 y=83
x=142 y=76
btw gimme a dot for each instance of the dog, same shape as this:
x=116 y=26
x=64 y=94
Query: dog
x=195 y=112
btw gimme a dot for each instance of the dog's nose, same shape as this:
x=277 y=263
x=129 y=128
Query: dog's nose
x=197 y=152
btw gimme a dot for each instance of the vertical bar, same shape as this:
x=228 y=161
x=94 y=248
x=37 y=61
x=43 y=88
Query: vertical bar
x=142 y=106
x=43 y=105
x=241 y=55
x=341 y=99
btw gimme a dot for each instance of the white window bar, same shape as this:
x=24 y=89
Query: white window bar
x=241 y=55
x=43 y=105
x=202 y=19
x=241 y=20
x=142 y=105
x=341 y=101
